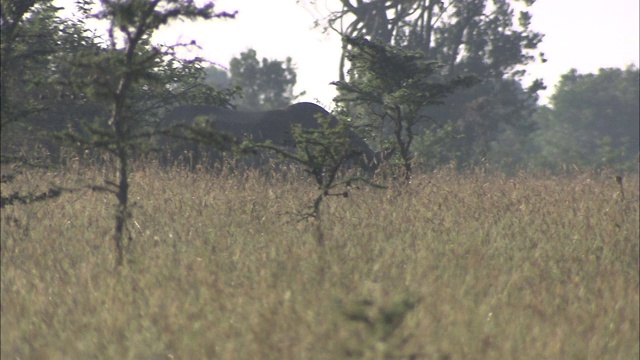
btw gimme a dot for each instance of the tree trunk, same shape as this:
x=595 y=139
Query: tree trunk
x=122 y=210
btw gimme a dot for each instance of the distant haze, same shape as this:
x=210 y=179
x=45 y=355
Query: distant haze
x=583 y=34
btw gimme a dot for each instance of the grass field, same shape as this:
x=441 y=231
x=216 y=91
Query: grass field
x=457 y=266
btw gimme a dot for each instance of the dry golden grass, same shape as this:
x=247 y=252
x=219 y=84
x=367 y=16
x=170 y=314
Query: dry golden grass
x=477 y=267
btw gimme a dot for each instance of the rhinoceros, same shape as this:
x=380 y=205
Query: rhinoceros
x=273 y=125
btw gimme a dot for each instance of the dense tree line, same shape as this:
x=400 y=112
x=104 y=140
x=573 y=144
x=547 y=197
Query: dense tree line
x=50 y=66
x=468 y=37
x=262 y=84
x=58 y=75
x=436 y=82
x=591 y=121
x=122 y=82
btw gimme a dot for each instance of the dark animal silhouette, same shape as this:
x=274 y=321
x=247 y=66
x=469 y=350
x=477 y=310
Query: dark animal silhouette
x=274 y=125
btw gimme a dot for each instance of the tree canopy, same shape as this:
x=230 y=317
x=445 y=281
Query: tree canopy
x=100 y=94
x=394 y=84
x=592 y=120
x=266 y=84
x=488 y=39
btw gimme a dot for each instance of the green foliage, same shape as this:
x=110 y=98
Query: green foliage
x=217 y=77
x=489 y=39
x=265 y=86
x=38 y=92
x=593 y=121
x=395 y=84
x=37 y=96
x=134 y=81
x=323 y=153
x=484 y=116
x=433 y=147
x=468 y=36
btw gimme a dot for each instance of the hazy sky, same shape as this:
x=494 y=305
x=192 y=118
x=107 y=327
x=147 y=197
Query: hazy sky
x=584 y=34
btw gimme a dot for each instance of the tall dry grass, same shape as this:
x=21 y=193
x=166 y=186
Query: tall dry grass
x=468 y=266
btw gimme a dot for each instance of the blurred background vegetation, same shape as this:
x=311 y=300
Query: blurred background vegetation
x=517 y=237
x=590 y=122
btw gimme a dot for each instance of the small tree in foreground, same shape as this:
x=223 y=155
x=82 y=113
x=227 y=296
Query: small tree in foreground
x=394 y=85
x=323 y=153
x=130 y=77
